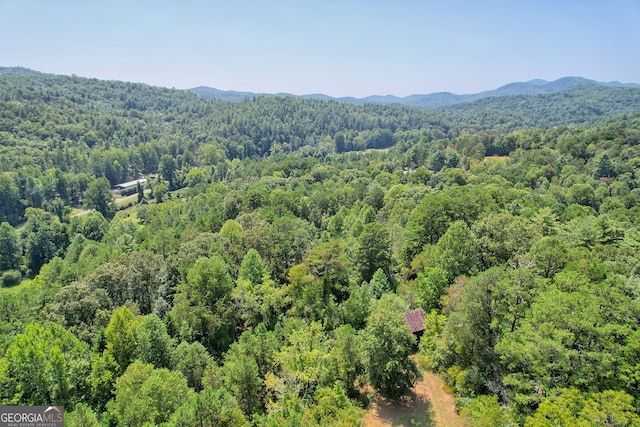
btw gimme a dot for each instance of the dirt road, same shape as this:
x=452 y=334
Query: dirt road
x=427 y=406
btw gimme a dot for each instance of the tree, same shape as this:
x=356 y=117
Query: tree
x=191 y=359
x=160 y=190
x=262 y=345
x=155 y=346
x=591 y=349
x=44 y=237
x=357 y=307
x=328 y=262
x=302 y=360
x=475 y=326
x=486 y=411
x=140 y=191
x=306 y=295
x=104 y=373
x=203 y=305
x=456 y=251
x=258 y=303
x=605 y=167
x=388 y=343
x=582 y=194
x=252 y=268
x=549 y=255
x=232 y=231
x=167 y=168
x=242 y=379
x=144 y=395
x=374 y=251
x=345 y=362
x=503 y=237
x=92 y=226
x=81 y=416
x=332 y=407
x=212 y=407
x=573 y=408
x=430 y=285
x=288 y=238
x=121 y=337
x=427 y=223
x=99 y=196
x=138 y=277
x=10 y=209
x=379 y=284
x=339 y=141
x=10 y=251
x=46 y=363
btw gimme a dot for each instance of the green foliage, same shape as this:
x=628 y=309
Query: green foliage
x=491 y=304
x=10 y=278
x=549 y=255
x=104 y=373
x=456 y=252
x=44 y=237
x=191 y=359
x=209 y=408
x=514 y=226
x=301 y=360
x=345 y=364
x=10 y=209
x=93 y=226
x=253 y=268
x=332 y=408
x=328 y=262
x=99 y=197
x=357 y=307
x=203 y=307
x=10 y=250
x=585 y=350
x=243 y=380
x=374 y=251
x=431 y=344
x=430 y=285
x=144 y=394
x=388 y=342
x=81 y=416
x=45 y=363
x=379 y=284
x=572 y=408
x=504 y=237
x=154 y=344
x=486 y=411
x=121 y=338
x=430 y=220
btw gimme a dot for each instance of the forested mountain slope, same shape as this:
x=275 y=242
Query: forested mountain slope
x=433 y=100
x=573 y=106
x=261 y=278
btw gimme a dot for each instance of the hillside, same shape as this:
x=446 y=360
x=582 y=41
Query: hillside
x=434 y=100
x=261 y=274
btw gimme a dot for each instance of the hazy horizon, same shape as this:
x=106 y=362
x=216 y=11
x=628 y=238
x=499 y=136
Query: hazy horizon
x=339 y=48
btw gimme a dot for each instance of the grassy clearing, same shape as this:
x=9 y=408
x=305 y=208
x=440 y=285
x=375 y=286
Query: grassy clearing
x=428 y=405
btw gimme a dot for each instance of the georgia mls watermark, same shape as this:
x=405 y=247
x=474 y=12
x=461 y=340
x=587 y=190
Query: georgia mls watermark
x=31 y=416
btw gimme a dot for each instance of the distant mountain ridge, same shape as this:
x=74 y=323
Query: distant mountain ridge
x=17 y=70
x=433 y=100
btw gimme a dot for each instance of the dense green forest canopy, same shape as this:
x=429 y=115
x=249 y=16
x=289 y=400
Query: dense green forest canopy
x=260 y=275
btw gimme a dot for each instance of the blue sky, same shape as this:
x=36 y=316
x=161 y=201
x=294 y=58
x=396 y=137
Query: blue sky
x=336 y=47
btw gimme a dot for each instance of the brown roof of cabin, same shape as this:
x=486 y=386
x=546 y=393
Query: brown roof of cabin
x=415 y=319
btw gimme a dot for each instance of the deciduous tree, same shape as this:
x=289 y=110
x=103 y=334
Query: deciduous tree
x=99 y=196
x=388 y=343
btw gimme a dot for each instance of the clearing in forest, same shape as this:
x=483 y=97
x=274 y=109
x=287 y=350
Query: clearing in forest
x=428 y=405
